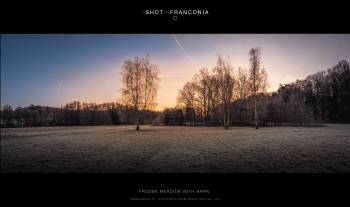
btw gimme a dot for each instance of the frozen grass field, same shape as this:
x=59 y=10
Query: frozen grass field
x=176 y=149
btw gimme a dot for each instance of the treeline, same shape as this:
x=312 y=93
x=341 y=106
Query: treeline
x=326 y=93
x=209 y=98
x=220 y=96
x=321 y=97
x=74 y=113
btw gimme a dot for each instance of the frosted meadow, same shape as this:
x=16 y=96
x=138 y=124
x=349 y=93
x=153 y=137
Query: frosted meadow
x=176 y=149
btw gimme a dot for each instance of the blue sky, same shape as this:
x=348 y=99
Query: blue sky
x=56 y=69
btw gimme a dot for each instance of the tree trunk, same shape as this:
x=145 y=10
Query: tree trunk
x=226 y=116
x=240 y=111
x=226 y=124
x=192 y=120
x=137 y=120
x=255 y=114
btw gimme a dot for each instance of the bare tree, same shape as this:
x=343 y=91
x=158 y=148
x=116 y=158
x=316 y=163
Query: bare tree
x=186 y=97
x=140 y=85
x=213 y=97
x=224 y=74
x=201 y=82
x=258 y=77
x=242 y=85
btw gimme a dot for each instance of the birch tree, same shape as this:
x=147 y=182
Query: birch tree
x=258 y=78
x=225 y=78
x=140 y=80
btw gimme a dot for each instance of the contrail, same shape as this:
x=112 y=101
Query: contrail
x=59 y=87
x=183 y=50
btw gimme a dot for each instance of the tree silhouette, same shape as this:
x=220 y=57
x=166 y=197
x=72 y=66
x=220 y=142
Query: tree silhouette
x=258 y=77
x=140 y=85
x=224 y=74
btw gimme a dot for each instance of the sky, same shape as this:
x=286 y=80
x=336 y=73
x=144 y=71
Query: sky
x=52 y=70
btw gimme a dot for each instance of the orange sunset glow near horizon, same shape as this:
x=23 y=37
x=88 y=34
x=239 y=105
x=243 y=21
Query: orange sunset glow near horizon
x=56 y=69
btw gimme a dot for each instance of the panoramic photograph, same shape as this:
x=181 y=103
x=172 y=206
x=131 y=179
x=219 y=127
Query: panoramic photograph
x=175 y=103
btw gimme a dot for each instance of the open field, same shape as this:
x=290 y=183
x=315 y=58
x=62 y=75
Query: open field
x=176 y=149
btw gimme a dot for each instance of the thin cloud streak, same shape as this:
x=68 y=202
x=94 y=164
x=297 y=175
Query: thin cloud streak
x=183 y=50
x=59 y=88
